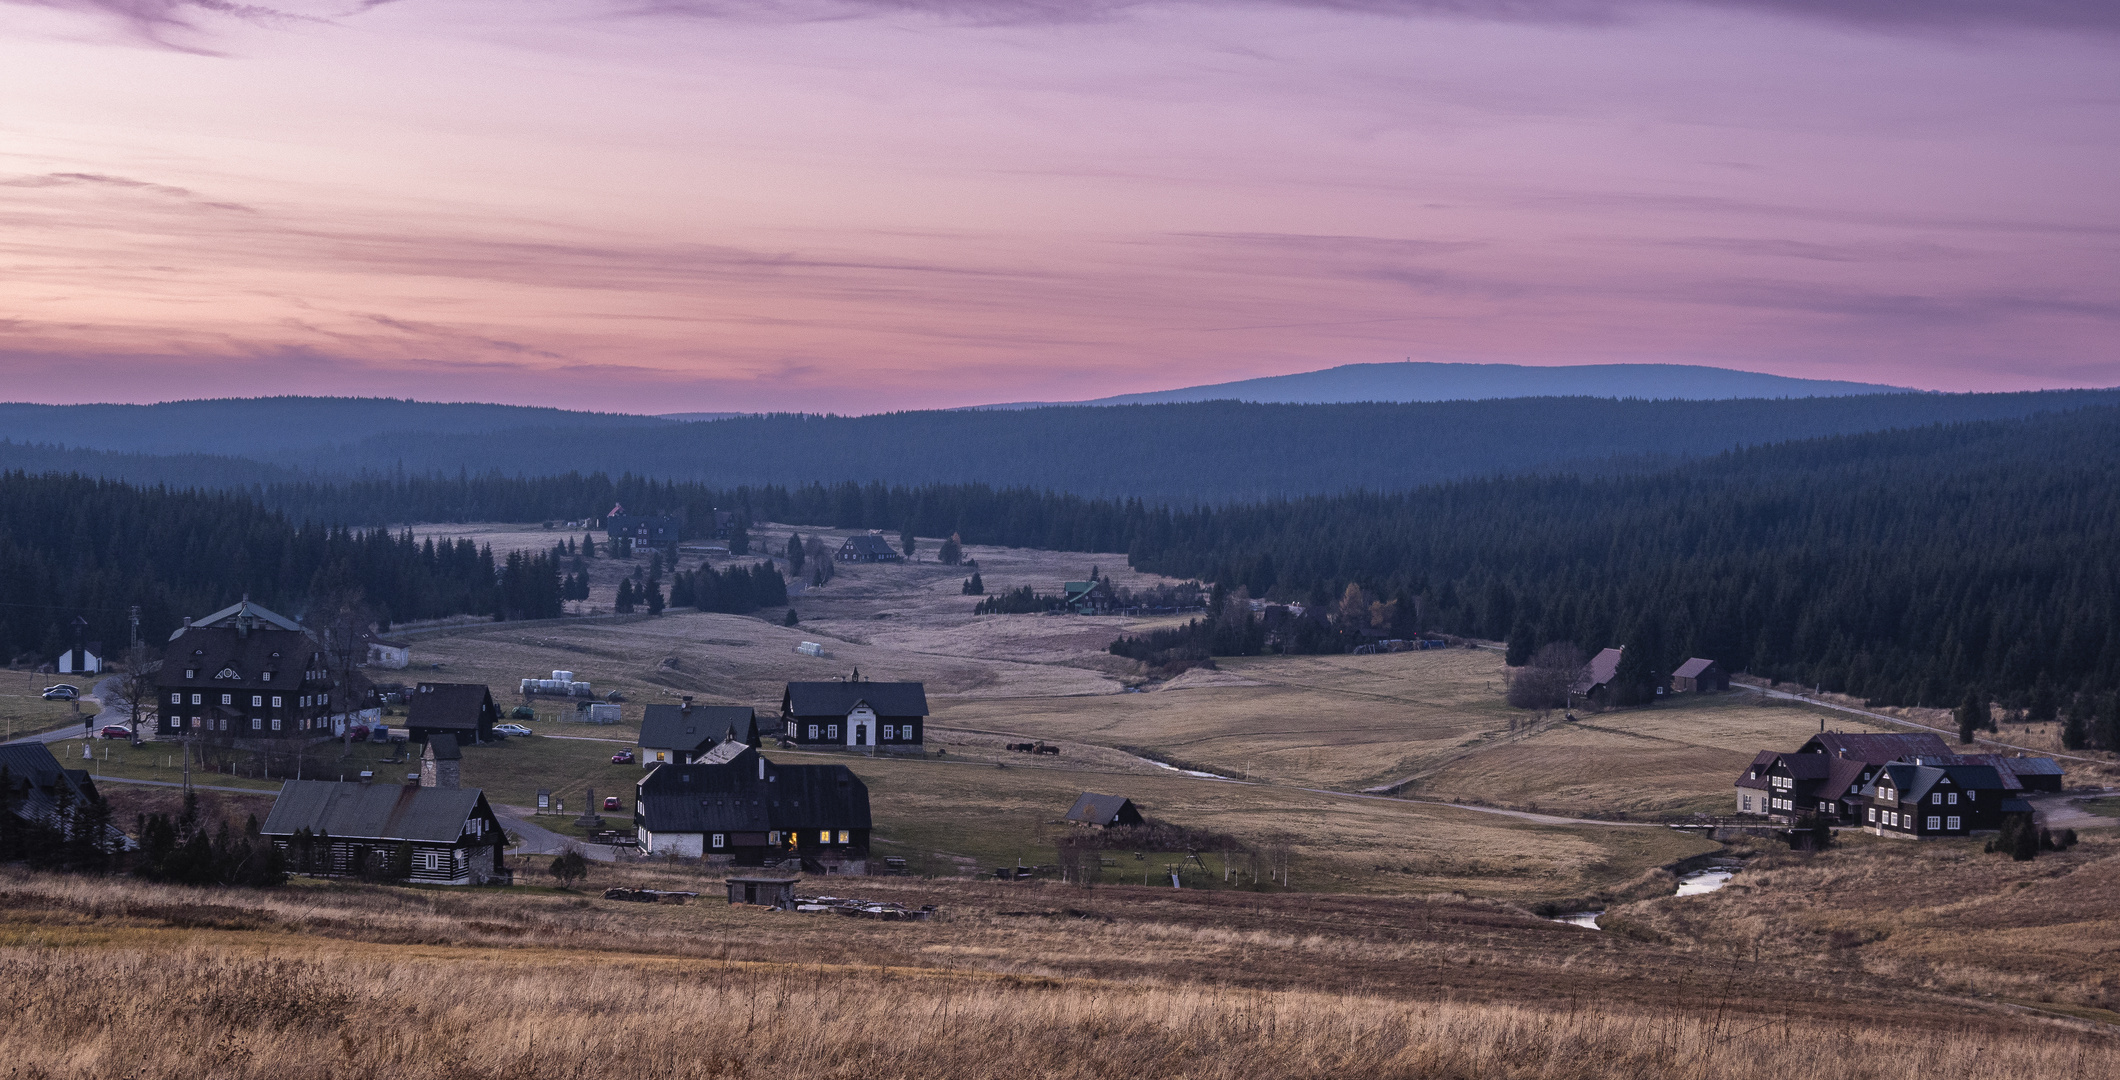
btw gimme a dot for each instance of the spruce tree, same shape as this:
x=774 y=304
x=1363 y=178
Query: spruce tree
x=1521 y=645
x=2076 y=727
x=1972 y=714
x=625 y=596
x=655 y=599
x=906 y=540
x=795 y=553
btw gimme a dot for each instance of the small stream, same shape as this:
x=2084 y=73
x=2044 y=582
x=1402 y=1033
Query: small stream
x=1696 y=883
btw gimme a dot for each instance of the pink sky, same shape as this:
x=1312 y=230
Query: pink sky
x=859 y=206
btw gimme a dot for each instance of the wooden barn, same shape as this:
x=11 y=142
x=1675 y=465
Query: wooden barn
x=868 y=547
x=448 y=836
x=1699 y=676
x=1103 y=811
x=462 y=711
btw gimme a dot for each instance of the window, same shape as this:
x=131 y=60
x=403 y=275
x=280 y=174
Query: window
x=1743 y=801
x=889 y=732
x=256 y=724
x=430 y=860
x=275 y=723
x=813 y=731
x=1935 y=822
x=176 y=699
x=1873 y=813
x=718 y=839
x=845 y=836
x=1954 y=798
x=191 y=673
x=275 y=701
x=1969 y=796
x=257 y=701
x=831 y=731
x=323 y=699
x=1935 y=799
x=195 y=699
x=824 y=837
x=305 y=701
x=228 y=699
x=1954 y=824
x=265 y=676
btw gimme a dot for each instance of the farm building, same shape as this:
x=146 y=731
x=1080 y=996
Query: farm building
x=1103 y=811
x=82 y=660
x=733 y=806
x=1861 y=779
x=855 y=714
x=680 y=733
x=1918 y=801
x=441 y=762
x=247 y=673
x=1698 y=676
x=868 y=547
x=464 y=711
x=438 y=835
x=645 y=530
x=1597 y=675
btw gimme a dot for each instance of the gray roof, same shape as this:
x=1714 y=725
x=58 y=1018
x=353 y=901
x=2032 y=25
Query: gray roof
x=671 y=727
x=1875 y=747
x=1691 y=669
x=837 y=699
x=374 y=811
x=871 y=545
x=241 y=609
x=1914 y=781
x=729 y=796
x=460 y=706
x=1598 y=671
x=1098 y=809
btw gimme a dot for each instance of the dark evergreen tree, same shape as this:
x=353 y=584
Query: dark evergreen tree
x=655 y=599
x=795 y=553
x=906 y=541
x=1522 y=643
x=625 y=601
x=1972 y=715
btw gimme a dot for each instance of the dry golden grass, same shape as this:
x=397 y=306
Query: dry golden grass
x=111 y=978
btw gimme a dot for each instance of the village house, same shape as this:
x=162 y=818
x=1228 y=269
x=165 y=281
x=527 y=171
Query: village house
x=82 y=660
x=855 y=714
x=435 y=835
x=868 y=547
x=1103 y=811
x=464 y=711
x=643 y=530
x=681 y=733
x=1698 y=676
x=244 y=672
x=441 y=763
x=733 y=806
x=34 y=786
x=1595 y=682
x=1825 y=776
x=1086 y=597
x=1913 y=800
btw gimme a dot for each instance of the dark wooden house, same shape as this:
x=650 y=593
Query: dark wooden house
x=1921 y=801
x=855 y=714
x=247 y=673
x=1698 y=676
x=448 y=836
x=868 y=547
x=644 y=530
x=733 y=806
x=1595 y=680
x=36 y=788
x=1103 y=811
x=463 y=711
x=680 y=733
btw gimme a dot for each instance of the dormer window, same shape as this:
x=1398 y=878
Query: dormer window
x=191 y=673
x=265 y=676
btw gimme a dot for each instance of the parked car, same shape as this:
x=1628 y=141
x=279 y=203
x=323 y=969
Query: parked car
x=61 y=692
x=623 y=757
x=115 y=731
x=611 y=803
x=511 y=729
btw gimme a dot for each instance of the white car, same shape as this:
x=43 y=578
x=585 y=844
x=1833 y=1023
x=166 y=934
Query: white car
x=512 y=729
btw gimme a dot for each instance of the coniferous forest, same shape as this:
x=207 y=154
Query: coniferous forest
x=1908 y=567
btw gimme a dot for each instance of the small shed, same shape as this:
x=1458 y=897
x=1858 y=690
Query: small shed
x=772 y=892
x=1699 y=676
x=1103 y=811
x=82 y=660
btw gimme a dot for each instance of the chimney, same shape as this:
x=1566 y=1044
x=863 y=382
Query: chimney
x=187 y=621
x=687 y=706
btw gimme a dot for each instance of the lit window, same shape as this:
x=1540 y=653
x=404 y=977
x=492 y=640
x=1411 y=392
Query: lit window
x=844 y=836
x=824 y=837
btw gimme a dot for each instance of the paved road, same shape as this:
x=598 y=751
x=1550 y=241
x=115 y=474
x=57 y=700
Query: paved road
x=538 y=840
x=105 y=689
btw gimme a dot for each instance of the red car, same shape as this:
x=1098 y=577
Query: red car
x=623 y=757
x=611 y=802
x=116 y=731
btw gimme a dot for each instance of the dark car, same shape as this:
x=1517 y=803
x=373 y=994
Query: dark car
x=61 y=692
x=115 y=731
x=623 y=757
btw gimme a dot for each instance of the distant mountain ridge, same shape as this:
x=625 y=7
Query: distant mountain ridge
x=273 y=425
x=1415 y=380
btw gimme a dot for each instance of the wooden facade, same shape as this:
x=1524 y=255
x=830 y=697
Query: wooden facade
x=248 y=673
x=853 y=714
x=438 y=835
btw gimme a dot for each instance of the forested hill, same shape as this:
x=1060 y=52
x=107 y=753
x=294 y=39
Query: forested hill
x=249 y=427
x=1905 y=566
x=1203 y=452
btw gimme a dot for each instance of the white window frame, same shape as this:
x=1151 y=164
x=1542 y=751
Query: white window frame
x=275 y=701
x=256 y=724
x=275 y=723
x=831 y=731
x=228 y=699
x=720 y=839
x=1935 y=798
x=890 y=731
x=813 y=731
x=1935 y=823
x=1954 y=798
x=1955 y=826
x=1873 y=813
x=824 y=836
x=845 y=837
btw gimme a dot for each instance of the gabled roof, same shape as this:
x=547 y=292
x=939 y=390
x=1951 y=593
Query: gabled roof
x=671 y=727
x=837 y=699
x=442 y=747
x=374 y=811
x=1877 y=748
x=1598 y=671
x=242 y=609
x=1842 y=777
x=1094 y=809
x=1806 y=766
x=2012 y=766
x=729 y=796
x=1913 y=782
x=870 y=544
x=447 y=705
x=1755 y=774
x=210 y=650
x=1691 y=669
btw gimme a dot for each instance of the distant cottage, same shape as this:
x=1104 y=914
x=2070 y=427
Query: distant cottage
x=1103 y=811
x=1698 y=676
x=681 y=733
x=464 y=711
x=732 y=806
x=1891 y=784
x=642 y=529
x=1595 y=681
x=856 y=715
x=448 y=836
x=868 y=547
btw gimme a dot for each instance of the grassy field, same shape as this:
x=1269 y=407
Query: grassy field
x=23 y=710
x=108 y=977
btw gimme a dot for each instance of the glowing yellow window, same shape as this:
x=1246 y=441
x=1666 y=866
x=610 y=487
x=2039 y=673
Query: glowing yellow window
x=843 y=837
x=824 y=837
